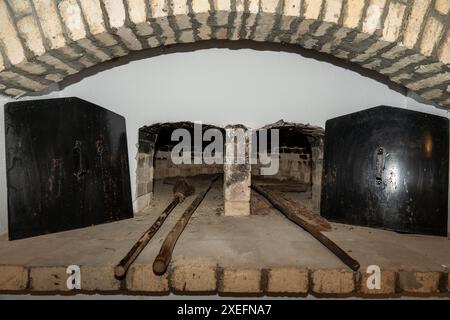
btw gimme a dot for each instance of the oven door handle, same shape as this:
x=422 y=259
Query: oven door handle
x=379 y=166
x=79 y=168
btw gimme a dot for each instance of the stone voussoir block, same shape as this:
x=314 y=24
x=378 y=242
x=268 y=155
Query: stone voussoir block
x=117 y=22
x=431 y=35
x=93 y=15
x=333 y=281
x=9 y=38
x=353 y=13
x=415 y=21
x=20 y=7
x=136 y=11
x=193 y=276
x=393 y=22
x=47 y=13
x=13 y=278
x=240 y=281
x=29 y=31
x=442 y=6
x=312 y=9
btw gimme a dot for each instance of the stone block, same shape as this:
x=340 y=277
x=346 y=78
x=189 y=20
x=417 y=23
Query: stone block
x=13 y=278
x=415 y=21
x=443 y=6
x=140 y=278
x=287 y=280
x=48 y=279
x=99 y=278
x=72 y=18
x=93 y=15
x=142 y=202
x=193 y=276
x=332 y=10
x=333 y=281
x=431 y=35
x=312 y=9
x=292 y=8
x=444 y=50
x=387 y=283
x=353 y=13
x=237 y=171
x=47 y=13
x=393 y=22
x=20 y=7
x=235 y=208
x=137 y=11
x=9 y=38
x=240 y=281
x=374 y=13
x=29 y=30
x=419 y=282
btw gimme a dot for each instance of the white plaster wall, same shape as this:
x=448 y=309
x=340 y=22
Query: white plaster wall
x=221 y=86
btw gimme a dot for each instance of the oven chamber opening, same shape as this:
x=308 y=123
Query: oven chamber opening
x=298 y=172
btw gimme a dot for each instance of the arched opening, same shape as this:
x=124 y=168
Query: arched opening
x=157 y=168
x=300 y=160
x=296 y=148
x=44 y=42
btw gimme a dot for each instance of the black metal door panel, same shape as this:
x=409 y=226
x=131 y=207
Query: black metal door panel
x=388 y=168
x=67 y=166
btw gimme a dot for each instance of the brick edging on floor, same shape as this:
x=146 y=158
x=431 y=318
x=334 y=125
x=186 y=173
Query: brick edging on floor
x=207 y=277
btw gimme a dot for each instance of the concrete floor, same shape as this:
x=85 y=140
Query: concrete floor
x=258 y=241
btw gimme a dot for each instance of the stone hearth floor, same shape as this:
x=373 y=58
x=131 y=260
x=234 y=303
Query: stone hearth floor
x=249 y=256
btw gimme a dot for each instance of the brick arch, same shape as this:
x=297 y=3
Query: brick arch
x=44 y=41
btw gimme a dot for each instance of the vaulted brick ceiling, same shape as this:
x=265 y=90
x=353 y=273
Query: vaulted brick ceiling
x=44 y=41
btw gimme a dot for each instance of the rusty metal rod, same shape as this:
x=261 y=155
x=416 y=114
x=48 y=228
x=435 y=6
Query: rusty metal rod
x=181 y=190
x=327 y=242
x=162 y=260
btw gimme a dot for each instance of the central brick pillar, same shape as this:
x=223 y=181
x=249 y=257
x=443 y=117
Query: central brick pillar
x=317 y=146
x=237 y=171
